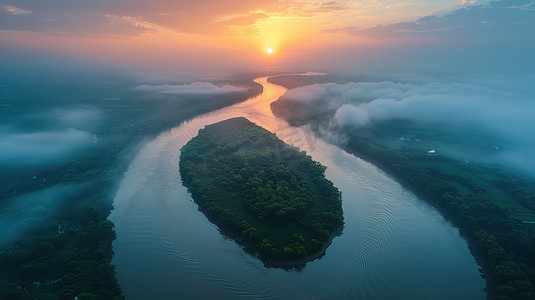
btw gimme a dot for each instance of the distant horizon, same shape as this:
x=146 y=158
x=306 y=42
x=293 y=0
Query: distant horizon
x=422 y=118
x=393 y=36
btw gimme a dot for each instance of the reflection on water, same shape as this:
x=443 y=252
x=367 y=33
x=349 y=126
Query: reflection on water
x=394 y=246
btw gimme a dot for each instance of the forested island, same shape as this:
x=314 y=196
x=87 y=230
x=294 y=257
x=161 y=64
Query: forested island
x=267 y=195
x=493 y=208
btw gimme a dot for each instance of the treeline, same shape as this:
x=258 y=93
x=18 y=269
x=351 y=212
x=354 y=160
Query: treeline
x=505 y=247
x=82 y=268
x=517 y=188
x=265 y=193
x=47 y=264
x=126 y=124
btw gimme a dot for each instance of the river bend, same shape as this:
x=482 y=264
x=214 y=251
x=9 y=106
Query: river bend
x=393 y=246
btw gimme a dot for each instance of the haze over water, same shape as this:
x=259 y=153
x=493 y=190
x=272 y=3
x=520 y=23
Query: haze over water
x=393 y=246
x=465 y=67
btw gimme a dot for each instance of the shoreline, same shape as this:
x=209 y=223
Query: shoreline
x=99 y=203
x=490 y=288
x=301 y=262
x=235 y=208
x=286 y=264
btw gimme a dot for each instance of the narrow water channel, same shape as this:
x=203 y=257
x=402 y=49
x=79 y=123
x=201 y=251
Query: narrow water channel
x=393 y=246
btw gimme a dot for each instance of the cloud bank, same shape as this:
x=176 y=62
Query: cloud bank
x=43 y=137
x=459 y=104
x=210 y=17
x=19 y=149
x=30 y=210
x=425 y=37
x=195 y=88
x=131 y=18
x=490 y=37
x=501 y=117
x=487 y=20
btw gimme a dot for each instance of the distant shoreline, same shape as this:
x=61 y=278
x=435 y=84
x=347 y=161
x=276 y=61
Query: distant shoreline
x=472 y=245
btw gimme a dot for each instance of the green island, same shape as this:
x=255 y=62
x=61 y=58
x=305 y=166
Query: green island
x=267 y=195
x=492 y=206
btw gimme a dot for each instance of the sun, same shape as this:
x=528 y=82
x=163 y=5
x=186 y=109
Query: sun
x=269 y=50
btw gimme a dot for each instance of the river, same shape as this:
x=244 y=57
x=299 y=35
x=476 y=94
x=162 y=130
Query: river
x=393 y=245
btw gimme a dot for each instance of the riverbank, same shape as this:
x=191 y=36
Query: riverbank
x=164 y=240
x=301 y=262
x=42 y=255
x=266 y=192
x=487 y=203
x=484 y=225
x=474 y=249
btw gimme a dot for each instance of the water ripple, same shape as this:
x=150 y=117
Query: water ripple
x=392 y=244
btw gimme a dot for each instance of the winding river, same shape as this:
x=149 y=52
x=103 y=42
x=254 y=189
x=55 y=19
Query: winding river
x=393 y=246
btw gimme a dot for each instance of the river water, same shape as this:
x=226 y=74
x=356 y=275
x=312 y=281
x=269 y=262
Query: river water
x=393 y=245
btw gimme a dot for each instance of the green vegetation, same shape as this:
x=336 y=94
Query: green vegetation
x=494 y=209
x=482 y=201
x=260 y=190
x=66 y=265
x=47 y=263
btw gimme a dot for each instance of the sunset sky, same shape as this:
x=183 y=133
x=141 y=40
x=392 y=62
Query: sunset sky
x=197 y=34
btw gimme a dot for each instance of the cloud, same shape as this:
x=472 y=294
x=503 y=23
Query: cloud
x=486 y=37
x=239 y=19
x=480 y=113
x=68 y=20
x=125 y=17
x=310 y=9
x=16 y=10
x=338 y=94
x=206 y=17
x=497 y=21
x=30 y=210
x=79 y=118
x=20 y=149
x=195 y=88
x=60 y=118
x=504 y=114
x=40 y=138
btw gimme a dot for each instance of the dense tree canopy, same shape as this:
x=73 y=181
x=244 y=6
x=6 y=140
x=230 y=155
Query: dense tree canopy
x=481 y=201
x=494 y=209
x=47 y=263
x=264 y=192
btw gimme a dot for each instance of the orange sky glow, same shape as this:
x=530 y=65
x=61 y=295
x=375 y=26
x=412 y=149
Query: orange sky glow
x=183 y=32
x=193 y=34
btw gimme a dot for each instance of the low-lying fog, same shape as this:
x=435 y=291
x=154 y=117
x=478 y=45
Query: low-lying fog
x=43 y=137
x=481 y=118
x=66 y=117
